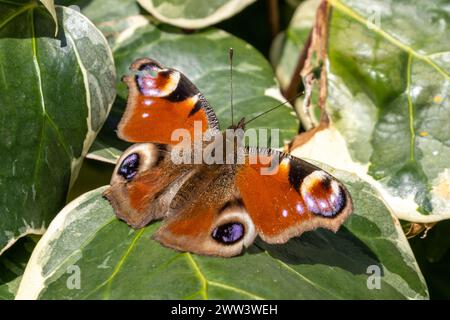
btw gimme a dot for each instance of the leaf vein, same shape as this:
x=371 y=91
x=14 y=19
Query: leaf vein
x=119 y=265
x=45 y=115
x=376 y=29
x=231 y=288
x=410 y=108
x=199 y=274
x=17 y=13
x=11 y=3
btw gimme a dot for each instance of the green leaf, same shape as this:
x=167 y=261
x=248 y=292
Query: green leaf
x=388 y=81
x=117 y=19
x=55 y=94
x=114 y=261
x=12 y=266
x=101 y=11
x=193 y=14
x=288 y=45
x=203 y=58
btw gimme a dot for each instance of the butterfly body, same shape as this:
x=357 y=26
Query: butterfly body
x=223 y=194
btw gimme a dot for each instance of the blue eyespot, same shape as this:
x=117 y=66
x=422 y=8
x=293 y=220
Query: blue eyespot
x=129 y=167
x=229 y=233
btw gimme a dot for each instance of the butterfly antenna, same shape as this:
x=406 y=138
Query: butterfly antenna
x=276 y=107
x=230 y=56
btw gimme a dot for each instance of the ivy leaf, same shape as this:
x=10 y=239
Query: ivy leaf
x=191 y=14
x=55 y=94
x=116 y=19
x=255 y=89
x=86 y=245
x=387 y=81
x=288 y=45
x=100 y=11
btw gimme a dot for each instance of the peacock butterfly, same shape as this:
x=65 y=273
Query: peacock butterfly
x=210 y=208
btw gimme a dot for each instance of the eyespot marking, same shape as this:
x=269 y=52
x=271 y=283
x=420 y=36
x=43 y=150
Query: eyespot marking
x=129 y=166
x=145 y=84
x=156 y=82
x=323 y=196
x=229 y=233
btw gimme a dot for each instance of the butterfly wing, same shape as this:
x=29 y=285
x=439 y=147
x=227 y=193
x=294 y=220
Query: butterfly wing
x=144 y=183
x=286 y=196
x=161 y=100
x=208 y=217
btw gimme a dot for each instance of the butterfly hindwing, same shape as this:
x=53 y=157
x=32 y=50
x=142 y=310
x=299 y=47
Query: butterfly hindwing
x=144 y=183
x=208 y=216
x=161 y=100
x=286 y=196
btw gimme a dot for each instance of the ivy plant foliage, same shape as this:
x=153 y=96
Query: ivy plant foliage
x=56 y=110
x=288 y=45
x=193 y=14
x=89 y=249
x=255 y=88
x=388 y=80
x=55 y=94
x=102 y=12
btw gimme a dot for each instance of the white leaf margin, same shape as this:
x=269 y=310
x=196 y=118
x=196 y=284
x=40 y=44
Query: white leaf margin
x=33 y=279
x=90 y=134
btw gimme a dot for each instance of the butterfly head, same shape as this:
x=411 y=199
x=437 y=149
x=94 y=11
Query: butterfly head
x=235 y=135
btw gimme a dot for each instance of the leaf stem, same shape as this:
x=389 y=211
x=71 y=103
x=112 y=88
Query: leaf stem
x=291 y=90
x=273 y=13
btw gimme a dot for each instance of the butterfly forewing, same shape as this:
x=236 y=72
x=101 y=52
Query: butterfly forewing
x=160 y=101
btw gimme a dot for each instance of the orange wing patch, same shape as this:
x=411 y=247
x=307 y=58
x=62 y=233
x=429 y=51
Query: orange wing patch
x=154 y=119
x=160 y=101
